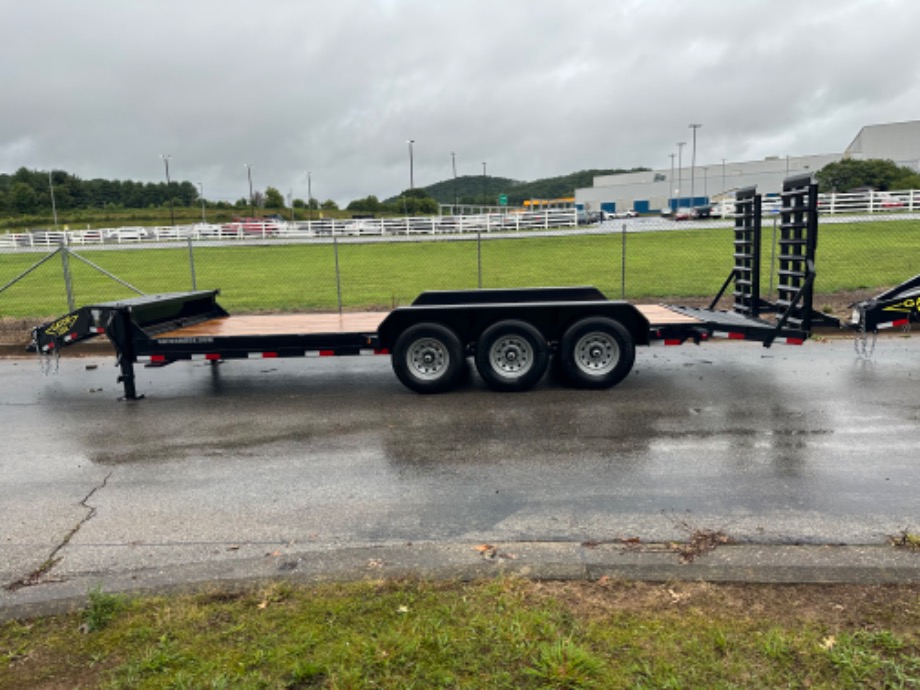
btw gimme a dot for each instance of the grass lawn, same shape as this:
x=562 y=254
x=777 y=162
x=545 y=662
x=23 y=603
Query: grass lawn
x=673 y=264
x=502 y=633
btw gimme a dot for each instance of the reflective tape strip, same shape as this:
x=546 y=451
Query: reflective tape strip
x=144 y=358
x=795 y=341
x=212 y=357
x=894 y=324
x=728 y=334
x=97 y=330
x=373 y=351
x=262 y=355
x=667 y=342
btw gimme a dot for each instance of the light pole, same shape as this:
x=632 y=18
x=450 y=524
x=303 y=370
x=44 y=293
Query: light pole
x=310 y=193
x=252 y=212
x=411 y=165
x=693 y=167
x=484 y=182
x=671 y=184
x=680 y=168
x=723 y=176
x=53 y=205
x=172 y=217
x=453 y=161
x=201 y=186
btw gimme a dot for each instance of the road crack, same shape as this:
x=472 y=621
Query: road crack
x=40 y=574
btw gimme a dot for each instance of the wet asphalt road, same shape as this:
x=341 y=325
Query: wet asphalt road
x=787 y=445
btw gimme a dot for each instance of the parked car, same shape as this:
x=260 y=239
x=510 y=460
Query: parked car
x=127 y=234
x=610 y=215
x=886 y=200
x=701 y=211
x=251 y=226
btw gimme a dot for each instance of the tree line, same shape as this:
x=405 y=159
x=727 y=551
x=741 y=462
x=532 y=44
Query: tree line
x=30 y=192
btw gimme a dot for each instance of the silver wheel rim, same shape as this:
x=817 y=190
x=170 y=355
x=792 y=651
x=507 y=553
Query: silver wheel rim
x=512 y=356
x=596 y=353
x=428 y=359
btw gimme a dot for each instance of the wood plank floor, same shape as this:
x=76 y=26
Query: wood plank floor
x=660 y=315
x=358 y=322
x=282 y=324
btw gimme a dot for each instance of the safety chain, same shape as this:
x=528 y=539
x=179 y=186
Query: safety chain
x=864 y=347
x=49 y=362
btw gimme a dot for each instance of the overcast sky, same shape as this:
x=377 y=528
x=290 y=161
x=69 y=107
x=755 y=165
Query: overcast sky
x=535 y=88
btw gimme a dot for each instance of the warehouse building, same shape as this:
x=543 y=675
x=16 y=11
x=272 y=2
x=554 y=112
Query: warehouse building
x=653 y=190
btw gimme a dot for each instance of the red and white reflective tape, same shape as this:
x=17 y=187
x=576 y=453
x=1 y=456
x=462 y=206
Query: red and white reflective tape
x=731 y=335
x=792 y=341
x=667 y=342
x=894 y=324
x=214 y=357
x=153 y=359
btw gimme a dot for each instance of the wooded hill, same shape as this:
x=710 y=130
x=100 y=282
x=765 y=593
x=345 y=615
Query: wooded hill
x=478 y=189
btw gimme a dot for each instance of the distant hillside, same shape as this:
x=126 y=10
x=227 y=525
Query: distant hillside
x=470 y=187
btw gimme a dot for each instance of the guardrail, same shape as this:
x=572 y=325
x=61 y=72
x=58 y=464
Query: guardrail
x=328 y=227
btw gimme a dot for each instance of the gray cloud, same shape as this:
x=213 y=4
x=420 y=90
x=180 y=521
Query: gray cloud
x=534 y=88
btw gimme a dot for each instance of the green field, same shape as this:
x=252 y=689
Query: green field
x=681 y=263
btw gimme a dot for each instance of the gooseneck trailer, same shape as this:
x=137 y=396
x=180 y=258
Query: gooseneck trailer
x=512 y=335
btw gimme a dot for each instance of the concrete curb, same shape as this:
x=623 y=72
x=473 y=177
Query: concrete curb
x=747 y=563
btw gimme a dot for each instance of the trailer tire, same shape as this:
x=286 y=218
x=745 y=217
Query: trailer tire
x=596 y=353
x=511 y=356
x=428 y=358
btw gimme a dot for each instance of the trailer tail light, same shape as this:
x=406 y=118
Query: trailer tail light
x=382 y=351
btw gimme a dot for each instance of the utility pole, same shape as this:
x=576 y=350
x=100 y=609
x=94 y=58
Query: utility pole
x=411 y=165
x=453 y=160
x=671 y=184
x=172 y=217
x=252 y=212
x=484 y=182
x=201 y=186
x=53 y=205
x=680 y=169
x=693 y=167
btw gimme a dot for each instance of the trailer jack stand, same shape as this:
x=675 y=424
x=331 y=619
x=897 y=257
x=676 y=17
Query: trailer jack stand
x=127 y=378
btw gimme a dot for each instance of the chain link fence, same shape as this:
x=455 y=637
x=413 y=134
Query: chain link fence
x=640 y=259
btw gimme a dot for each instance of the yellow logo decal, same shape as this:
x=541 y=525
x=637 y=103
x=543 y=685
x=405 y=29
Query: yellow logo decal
x=62 y=326
x=906 y=305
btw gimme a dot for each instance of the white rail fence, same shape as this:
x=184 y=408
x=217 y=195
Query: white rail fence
x=325 y=228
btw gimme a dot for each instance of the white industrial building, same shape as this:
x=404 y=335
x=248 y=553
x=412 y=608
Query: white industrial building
x=654 y=190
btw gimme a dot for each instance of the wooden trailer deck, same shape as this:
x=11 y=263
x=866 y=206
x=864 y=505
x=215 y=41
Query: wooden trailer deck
x=357 y=322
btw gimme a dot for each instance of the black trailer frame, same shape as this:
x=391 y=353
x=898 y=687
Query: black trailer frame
x=512 y=334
